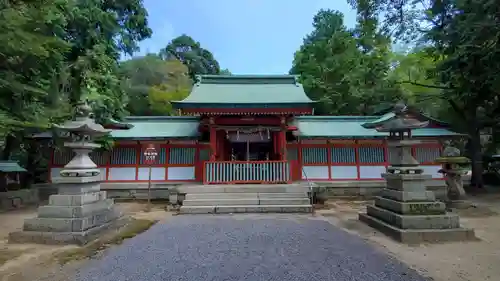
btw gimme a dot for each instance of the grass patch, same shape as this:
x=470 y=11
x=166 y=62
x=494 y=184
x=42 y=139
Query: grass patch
x=7 y=255
x=133 y=228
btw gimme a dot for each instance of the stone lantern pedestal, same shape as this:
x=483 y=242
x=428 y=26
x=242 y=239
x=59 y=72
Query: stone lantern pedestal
x=80 y=211
x=454 y=168
x=406 y=210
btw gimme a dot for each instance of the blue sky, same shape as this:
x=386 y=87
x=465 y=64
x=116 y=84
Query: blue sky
x=245 y=36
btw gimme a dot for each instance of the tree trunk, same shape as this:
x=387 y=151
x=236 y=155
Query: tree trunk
x=8 y=147
x=6 y=153
x=475 y=152
x=31 y=164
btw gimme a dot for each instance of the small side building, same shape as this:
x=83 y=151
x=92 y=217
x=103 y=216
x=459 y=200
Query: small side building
x=256 y=129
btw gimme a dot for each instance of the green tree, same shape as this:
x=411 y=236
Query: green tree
x=345 y=70
x=150 y=81
x=225 y=71
x=324 y=62
x=176 y=87
x=30 y=60
x=57 y=52
x=374 y=87
x=415 y=66
x=138 y=75
x=189 y=52
x=100 y=32
x=462 y=36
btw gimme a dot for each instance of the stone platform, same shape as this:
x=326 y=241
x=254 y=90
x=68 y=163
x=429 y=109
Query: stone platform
x=63 y=238
x=76 y=215
x=414 y=217
x=417 y=236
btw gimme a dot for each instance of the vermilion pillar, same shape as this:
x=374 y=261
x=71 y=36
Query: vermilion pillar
x=282 y=138
x=213 y=143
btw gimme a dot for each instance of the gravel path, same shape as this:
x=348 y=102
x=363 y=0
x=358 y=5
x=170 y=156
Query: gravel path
x=199 y=248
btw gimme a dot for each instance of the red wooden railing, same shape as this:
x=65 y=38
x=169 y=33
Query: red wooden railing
x=227 y=172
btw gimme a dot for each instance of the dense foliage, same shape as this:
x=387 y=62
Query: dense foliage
x=57 y=52
x=346 y=70
x=449 y=72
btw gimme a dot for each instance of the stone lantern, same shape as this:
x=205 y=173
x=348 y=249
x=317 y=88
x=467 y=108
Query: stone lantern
x=80 y=210
x=405 y=209
x=454 y=168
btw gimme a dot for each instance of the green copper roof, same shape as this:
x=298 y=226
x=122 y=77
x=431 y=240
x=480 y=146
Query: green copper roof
x=370 y=124
x=388 y=109
x=154 y=127
x=242 y=90
x=10 y=167
x=351 y=127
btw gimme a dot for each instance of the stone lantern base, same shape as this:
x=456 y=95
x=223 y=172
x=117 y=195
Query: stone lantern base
x=409 y=213
x=76 y=215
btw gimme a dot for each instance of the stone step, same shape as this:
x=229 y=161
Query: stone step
x=276 y=188
x=221 y=202
x=411 y=208
x=284 y=201
x=240 y=195
x=70 y=224
x=51 y=211
x=416 y=236
x=246 y=201
x=246 y=209
x=445 y=221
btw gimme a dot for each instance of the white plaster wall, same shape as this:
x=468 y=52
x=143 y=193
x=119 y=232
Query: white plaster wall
x=121 y=174
x=432 y=170
x=371 y=172
x=344 y=172
x=181 y=173
x=103 y=173
x=315 y=172
x=157 y=173
x=54 y=172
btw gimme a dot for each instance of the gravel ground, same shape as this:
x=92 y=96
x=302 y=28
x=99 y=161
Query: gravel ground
x=225 y=248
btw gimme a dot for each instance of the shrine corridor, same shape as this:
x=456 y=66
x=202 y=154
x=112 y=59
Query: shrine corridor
x=245 y=247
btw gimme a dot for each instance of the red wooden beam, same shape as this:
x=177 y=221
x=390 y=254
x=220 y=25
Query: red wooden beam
x=248 y=120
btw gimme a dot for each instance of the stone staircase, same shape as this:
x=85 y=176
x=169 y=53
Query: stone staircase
x=246 y=198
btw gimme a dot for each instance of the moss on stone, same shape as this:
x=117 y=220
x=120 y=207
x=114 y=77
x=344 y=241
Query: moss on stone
x=453 y=159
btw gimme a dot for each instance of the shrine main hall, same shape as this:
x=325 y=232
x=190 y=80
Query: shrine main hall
x=244 y=129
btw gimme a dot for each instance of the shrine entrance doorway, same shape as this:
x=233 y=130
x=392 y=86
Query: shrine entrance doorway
x=251 y=146
x=251 y=151
x=248 y=154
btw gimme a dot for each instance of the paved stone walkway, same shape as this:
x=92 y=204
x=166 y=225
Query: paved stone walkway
x=253 y=248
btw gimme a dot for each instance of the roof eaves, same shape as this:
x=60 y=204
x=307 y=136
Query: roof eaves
x=157 y=137
x=374 y=123
x=184 y=104
x=344 y=137
x=411 y=109
x=11 y=167
x=161 y=118
x=248 y=76
x=117 y=124
x=335 y=118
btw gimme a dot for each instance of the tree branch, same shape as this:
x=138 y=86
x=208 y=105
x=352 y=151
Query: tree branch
x=426 y=85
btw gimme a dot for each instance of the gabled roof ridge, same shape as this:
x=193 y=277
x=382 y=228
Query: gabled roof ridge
x=248 y=76
x=256 y=91
x=246 y=80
